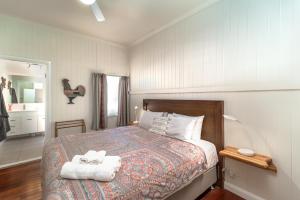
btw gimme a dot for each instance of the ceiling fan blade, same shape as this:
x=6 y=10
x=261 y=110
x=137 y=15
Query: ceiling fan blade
x=97 y=12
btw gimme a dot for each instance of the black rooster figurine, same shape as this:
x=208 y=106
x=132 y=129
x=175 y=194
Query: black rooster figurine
x=72 y=94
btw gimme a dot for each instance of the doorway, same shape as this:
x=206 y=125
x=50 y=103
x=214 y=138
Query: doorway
x=25 y=92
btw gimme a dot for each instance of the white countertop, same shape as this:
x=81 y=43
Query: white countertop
x=14 y=111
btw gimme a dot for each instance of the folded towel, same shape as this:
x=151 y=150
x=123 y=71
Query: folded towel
x=92 y=157
x=100 y=172
x=112 y=162
x=77 y=159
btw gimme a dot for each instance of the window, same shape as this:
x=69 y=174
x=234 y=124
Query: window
x=112 y=95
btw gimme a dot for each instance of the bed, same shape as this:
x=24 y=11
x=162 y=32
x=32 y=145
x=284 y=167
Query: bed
x=153 y=166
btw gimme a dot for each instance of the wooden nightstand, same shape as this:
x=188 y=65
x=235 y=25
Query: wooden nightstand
x=261 y=161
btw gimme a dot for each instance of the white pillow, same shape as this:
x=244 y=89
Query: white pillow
x=196 y=135
x=159 y=125
x=147 y=117
x=180 y=127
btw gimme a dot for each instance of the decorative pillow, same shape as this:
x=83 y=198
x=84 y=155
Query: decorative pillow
x=147 y=117
x=180 y=127
x=159 y=125
x=196 y=135
x=165 y=114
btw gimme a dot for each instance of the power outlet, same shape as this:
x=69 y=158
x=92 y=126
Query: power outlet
x=230 y=173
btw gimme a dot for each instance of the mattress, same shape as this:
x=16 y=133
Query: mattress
x=197 y=186
x=153 y=166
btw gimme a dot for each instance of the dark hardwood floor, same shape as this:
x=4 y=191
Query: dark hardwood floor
x=23 y=182
x=220 y=194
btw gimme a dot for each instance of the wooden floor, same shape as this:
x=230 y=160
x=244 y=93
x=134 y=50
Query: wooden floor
x=21 y=182
x=220 y=194
x=24 y=182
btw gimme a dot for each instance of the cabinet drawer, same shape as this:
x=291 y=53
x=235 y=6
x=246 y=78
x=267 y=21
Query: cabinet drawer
x=14 y=130
x=11 y=133
x=14 y=120
x=29 y=124
x=15 y=126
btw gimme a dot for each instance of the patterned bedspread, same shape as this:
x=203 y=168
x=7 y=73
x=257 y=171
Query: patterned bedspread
x=153 y=166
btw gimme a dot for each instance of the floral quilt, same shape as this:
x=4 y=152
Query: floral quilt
x=153 y=166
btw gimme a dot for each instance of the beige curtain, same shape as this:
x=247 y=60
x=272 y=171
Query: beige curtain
x=123 y=108
x=99 y=92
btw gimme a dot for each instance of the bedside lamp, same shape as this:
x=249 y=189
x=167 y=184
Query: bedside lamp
x=242 y=151
x=135 y=115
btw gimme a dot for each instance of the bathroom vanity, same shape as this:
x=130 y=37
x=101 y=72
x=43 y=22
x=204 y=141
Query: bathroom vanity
x=26 y=122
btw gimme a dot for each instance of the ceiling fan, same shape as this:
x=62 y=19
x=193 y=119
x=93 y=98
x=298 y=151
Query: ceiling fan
x=95 y=9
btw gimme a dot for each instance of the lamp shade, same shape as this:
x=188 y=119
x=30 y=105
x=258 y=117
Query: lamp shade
x=229 y=117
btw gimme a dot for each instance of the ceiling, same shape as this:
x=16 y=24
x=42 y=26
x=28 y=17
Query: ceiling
x=126 y=20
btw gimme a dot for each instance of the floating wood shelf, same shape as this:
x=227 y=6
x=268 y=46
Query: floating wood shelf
x=258 y=160
x=133 y=123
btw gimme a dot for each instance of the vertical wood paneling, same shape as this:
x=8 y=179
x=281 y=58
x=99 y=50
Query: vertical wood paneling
x=244 y=43
x=73 y=56
x=241 y=44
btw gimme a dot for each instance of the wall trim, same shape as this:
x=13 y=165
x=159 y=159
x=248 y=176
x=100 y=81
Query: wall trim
x=192 y=12
x=14 y=164
x=221 y=89
x=241 y=192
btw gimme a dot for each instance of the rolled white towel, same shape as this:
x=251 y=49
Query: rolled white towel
x=92 y=157
x=100 y=172
x=77 y=159
x=112 y=162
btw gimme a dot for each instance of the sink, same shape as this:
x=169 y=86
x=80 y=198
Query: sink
x=20 y=107
x=21 y=111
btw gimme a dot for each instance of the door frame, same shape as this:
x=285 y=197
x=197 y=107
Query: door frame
x=48 y=128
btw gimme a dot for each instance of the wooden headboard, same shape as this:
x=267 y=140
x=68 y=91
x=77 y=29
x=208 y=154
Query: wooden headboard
x=213 y=125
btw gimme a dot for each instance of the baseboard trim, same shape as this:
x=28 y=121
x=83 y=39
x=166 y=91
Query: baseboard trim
x=241 y=192
x=19 y=163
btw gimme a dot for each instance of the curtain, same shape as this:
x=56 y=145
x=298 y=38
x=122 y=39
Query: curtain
x=123 y=107
x=4 y=123
x=99 y=87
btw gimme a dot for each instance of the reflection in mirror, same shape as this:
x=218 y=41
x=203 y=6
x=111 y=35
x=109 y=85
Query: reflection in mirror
x=3 y=82
x=26 y=89
x=12 y=93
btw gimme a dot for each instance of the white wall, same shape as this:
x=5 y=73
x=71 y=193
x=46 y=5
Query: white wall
x=245 y=53
x=72 y=55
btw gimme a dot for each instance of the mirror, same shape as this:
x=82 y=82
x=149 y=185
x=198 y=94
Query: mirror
x=25 y=89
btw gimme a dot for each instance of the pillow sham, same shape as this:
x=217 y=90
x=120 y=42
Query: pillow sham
x=180 y=127
x=159 y=125
x=196 y=132
x=147 y=117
